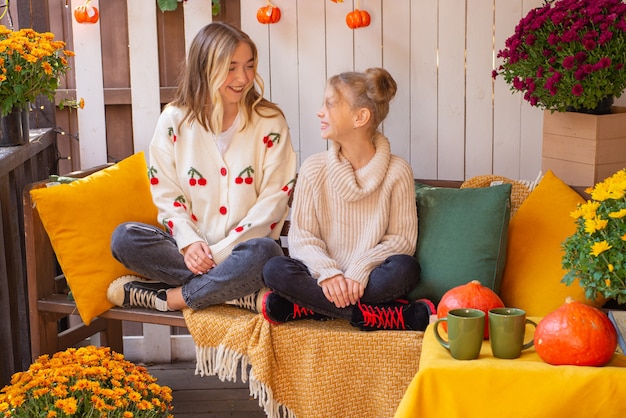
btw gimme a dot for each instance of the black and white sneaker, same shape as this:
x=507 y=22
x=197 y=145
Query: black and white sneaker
x=252 y=302
x=135 y=292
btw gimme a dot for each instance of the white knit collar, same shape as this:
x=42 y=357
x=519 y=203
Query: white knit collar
x=354 y=185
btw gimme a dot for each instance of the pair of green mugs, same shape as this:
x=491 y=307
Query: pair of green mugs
x=466 y=330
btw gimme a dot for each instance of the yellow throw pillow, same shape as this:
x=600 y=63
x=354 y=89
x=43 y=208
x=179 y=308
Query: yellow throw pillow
x=80 y=217
x=533 y=272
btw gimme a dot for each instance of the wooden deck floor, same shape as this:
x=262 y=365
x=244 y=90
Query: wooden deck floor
x=205 y=397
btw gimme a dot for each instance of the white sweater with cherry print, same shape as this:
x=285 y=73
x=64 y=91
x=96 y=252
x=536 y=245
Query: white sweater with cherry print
x=203 y=195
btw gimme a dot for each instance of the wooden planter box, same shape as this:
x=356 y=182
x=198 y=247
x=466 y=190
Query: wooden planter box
x=584 y=149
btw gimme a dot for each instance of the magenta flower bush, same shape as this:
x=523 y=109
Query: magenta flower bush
x=567 y=53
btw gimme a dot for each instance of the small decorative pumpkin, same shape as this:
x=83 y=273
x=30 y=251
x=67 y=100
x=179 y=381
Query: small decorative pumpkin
x=470 y=295
x=358 y=19
x=576 y=334
x=86 y=13
x=268 y=14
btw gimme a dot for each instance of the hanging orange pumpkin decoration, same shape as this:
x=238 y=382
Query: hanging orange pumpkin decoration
x=576 y=334
x=358 y=19
x=86 y=13
x=268 y=14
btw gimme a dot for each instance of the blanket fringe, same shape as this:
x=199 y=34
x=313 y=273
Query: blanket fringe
x=221 y=361
x=225 y=363
x=272 y=408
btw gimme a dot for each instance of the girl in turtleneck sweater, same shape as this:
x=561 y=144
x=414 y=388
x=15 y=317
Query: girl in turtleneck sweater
x=354 y=220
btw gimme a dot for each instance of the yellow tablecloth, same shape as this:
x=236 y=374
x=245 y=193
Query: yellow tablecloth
x=524 y=387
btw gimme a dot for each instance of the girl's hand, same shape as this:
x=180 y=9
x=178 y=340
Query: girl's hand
x=198 y=257
x=341 y=291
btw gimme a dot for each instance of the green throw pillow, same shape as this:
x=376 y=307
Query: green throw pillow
x=462 y=237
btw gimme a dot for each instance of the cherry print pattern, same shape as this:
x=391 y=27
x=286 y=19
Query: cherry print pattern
x=152 y=175
x=248 y=171
x=288 y=188
x=270 y=139
x=171 y=134
x=180 y=202
x=168 y=224
x=200 y=180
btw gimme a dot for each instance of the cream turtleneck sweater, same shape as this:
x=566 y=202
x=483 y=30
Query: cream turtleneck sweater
x=347 y=221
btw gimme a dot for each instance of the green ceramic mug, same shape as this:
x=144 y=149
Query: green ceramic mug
x=507 y=327
x=466 y=328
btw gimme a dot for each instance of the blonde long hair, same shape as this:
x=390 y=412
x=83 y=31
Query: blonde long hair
x=206 y=69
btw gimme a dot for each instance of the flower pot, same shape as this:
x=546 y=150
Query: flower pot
x=604 y=107
x=584 y=149
x=15 y=128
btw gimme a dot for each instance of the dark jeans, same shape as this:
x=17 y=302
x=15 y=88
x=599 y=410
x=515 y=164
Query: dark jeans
x=154 y=254
x=290 y=278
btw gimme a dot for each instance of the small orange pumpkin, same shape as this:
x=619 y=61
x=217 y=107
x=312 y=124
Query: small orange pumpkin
x=268 y=14
x=470 y=295
x=86 y=13
x=358 y=19
x=576 y=334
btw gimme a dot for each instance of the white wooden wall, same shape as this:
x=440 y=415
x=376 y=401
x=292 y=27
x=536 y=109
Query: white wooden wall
x=450 y=120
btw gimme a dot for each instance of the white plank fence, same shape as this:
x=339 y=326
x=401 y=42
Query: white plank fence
x=450 y=120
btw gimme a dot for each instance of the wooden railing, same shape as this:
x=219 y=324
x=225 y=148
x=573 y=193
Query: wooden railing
x=19 y=166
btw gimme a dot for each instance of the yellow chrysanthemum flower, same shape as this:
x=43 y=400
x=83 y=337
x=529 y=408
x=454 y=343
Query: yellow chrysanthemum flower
x=594 y=225
x=619 y=214
x=588 y=210
x=599 y=247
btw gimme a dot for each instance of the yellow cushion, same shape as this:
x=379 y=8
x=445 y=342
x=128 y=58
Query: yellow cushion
x=79 y=218
x=533 y=272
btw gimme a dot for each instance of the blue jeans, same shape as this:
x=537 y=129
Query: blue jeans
x=291 y=279
x=153 y=253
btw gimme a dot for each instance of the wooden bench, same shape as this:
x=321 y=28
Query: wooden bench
x=50 y=306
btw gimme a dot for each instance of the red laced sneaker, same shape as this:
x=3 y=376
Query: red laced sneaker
x=277 y=309
x=396 y=315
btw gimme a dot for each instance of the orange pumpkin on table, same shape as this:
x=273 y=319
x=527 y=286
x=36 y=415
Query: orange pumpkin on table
x=471 y=295
x=576 y=334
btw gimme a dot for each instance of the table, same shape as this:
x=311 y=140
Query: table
x=524 y=387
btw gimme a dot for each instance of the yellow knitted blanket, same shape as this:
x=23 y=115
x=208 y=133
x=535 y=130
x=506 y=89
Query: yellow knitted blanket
x=306 y=368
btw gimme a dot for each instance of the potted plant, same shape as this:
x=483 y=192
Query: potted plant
x=30 y=66
x=568 y=55
x=596 y=253
x=568 y=58
x=85 y=382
